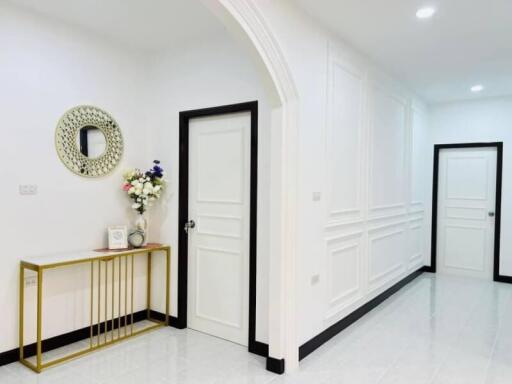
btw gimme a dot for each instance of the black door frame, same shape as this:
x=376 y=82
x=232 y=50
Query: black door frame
x=185 y=117
x=497 y=219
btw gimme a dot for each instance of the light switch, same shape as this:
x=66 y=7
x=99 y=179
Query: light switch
x=317 y=196
x=30 y=281
x=315 y=279
x=28 y=189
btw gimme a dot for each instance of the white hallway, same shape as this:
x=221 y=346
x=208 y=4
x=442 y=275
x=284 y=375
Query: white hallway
x=359 y=169
x=438 y=329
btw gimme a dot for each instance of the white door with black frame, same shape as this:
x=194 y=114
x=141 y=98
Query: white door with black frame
x=219 y=226
x=466 y=211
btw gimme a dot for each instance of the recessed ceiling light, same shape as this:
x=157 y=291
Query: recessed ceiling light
x=477 y=88
x=425 y=13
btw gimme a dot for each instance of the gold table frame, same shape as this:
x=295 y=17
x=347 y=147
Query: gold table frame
x=101 y=259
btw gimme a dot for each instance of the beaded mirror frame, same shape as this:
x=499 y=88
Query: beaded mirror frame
x=66 y=134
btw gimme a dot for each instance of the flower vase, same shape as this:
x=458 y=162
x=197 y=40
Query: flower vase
x=142 y=224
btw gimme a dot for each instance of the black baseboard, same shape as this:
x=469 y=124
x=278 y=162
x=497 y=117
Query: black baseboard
x=261 y=349
x=173 y=321
x=311 y=345
x=504 y=279
x=498 y=279
x=275 y=365
x=52 y=343
x=258 y=348
x=9 y=357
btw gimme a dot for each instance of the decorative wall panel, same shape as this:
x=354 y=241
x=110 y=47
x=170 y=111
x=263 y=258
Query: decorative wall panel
x=388 y=151
x=344 y=150
x=375 y=225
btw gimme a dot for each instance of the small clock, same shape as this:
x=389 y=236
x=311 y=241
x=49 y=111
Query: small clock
x=136 y=239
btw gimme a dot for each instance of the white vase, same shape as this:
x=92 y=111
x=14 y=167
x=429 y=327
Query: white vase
x=142 y=224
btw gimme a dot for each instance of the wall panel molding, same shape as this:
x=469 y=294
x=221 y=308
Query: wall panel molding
x=378 y=227
x=344 y=139
x=400 y=223
x=416 y=206
x=344 y=277
x=344 y=272
x=343 y=236
x=380 y=273
x=388 y=151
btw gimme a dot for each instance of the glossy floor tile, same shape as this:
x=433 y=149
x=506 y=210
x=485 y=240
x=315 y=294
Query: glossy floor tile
x=436 y=330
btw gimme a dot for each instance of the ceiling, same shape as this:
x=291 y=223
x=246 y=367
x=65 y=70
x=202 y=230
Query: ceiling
x=467 y=42
x=143 y=24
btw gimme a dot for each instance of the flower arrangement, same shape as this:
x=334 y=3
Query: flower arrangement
x=144 y=188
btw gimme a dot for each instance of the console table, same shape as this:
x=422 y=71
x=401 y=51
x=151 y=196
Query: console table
x=111 y=308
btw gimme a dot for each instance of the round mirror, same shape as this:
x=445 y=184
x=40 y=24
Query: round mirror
x=91 y=141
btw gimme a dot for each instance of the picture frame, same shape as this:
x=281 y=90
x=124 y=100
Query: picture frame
x=117 y=237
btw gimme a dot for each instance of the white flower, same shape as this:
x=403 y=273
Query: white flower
x=141 y=188
x=128 y=174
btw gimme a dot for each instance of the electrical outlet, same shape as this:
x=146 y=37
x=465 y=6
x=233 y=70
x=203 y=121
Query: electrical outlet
x=28 y=189
x=30 y=281
x=315 y=279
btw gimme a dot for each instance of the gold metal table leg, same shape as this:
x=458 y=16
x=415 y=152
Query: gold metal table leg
x=148 y=291
x=126 y=295
x=106 y=301
x=39 y=317
x=113 y=299
x=131 y=305
x=91 y=335
x=167 y=284
x=22 y=309
x=119 y=299
x=99 y=302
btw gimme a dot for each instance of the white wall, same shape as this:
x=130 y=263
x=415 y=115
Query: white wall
x=361 y=212
x=47 y=67
x=487 y=120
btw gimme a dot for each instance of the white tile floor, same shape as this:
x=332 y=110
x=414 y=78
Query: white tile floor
x=437 y=330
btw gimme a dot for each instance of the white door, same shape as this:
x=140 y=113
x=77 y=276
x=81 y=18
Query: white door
x=466 y=203
x=219 y=204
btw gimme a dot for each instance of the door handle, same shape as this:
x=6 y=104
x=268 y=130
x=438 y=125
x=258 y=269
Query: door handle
x=189 y=225
x=491 y=214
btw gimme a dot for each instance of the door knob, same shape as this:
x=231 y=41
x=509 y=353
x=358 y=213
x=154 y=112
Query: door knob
x=491 y=214
x=189 y=225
